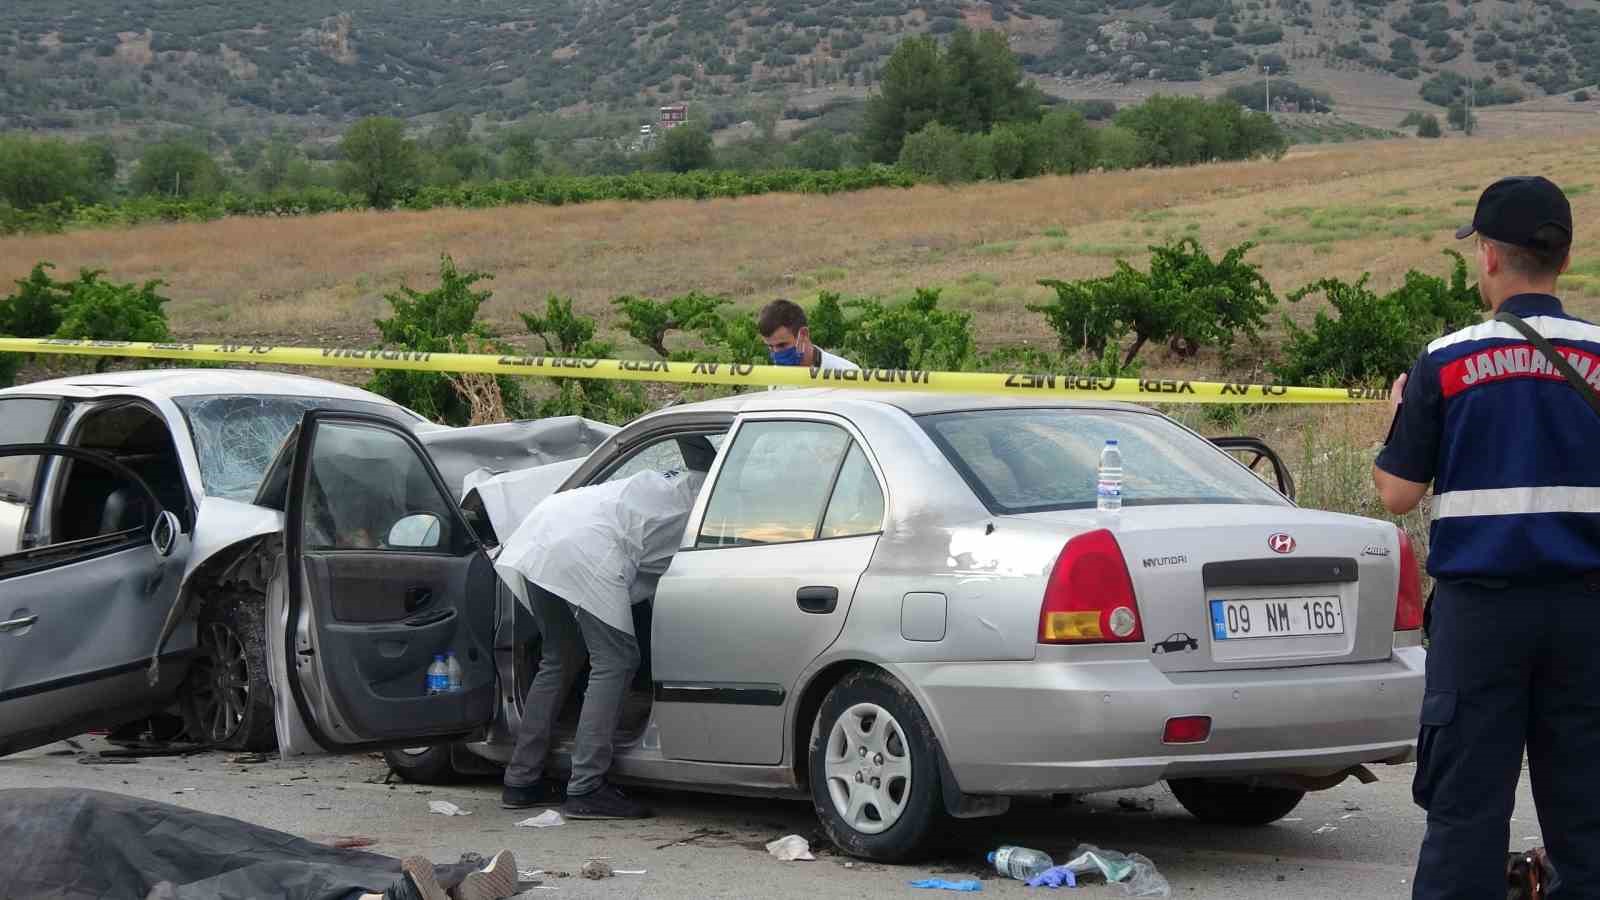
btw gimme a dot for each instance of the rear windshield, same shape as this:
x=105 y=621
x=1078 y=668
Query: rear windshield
x=237 y=436
x=1033 y=460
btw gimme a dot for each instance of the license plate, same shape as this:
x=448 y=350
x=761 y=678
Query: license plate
x=1276 y=617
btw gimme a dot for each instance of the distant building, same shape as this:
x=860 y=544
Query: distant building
x=673 y=116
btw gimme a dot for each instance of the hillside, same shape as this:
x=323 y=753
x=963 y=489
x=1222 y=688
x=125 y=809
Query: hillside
x=98 y=63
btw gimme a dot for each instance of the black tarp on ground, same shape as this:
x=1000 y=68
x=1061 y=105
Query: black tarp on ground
x=69 y=843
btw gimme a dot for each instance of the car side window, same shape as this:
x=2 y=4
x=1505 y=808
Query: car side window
x=667 y=454
x=774 y=485
x=856 y=506
x=368 y=489
x=23 y=420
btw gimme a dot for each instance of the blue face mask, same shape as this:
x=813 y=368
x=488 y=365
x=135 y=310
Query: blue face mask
x=789 y=356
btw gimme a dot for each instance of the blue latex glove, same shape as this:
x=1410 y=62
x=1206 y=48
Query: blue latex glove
x=1054 y=878
x=941 y=884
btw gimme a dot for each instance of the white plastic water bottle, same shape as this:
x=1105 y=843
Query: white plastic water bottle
x=1108 y=492
x=1020 y=863
x=453 y=667
x=438 y=675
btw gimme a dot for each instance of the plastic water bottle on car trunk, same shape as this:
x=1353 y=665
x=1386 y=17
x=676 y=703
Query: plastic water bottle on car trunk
x=1020 y=863
x=1108 y=491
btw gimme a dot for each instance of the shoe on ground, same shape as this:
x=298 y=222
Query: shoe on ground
x=417 y=882
x=495 y=881
x=606 y=802
x=543 y=792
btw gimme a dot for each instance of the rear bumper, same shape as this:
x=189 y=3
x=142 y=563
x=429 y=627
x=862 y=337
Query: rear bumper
x=1055 y=727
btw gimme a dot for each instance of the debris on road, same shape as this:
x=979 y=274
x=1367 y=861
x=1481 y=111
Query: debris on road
x=354 y=843
x=1325 y=829
x=694 y=836
x=446 y=808
x=628 y=871
x=1054 y=877
x=1352 y=806
x=790 y=848
x=547 y=819
x=100 y=760
x=943 y=884
x=596 y=869
x=1137 y=804
x=249 y=759
x=1135 y=872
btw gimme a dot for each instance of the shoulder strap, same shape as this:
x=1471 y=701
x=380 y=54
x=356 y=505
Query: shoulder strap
x=1556 y=359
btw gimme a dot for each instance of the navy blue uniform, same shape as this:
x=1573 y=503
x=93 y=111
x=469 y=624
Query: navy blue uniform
x=1514 y=624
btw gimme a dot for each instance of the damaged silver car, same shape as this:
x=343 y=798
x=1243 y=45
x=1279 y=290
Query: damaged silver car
x=134 y=563
x=905 y=607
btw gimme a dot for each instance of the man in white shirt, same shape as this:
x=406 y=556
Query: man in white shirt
x=575 y=561
x=782 y=324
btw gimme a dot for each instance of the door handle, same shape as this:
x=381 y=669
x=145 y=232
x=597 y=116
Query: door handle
x=429 y=618
x=417 y=598
x=18 y=624
x=817 y=599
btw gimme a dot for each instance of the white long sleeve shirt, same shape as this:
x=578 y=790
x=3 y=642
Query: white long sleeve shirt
x=587 y=545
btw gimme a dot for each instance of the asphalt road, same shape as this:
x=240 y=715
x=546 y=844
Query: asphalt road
x=1350 y=842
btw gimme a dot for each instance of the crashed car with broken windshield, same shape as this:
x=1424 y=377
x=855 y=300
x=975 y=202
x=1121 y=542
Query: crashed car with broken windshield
x=904 y=606
x=133 y=561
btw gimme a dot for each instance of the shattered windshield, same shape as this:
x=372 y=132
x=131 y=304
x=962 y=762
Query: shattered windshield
x=236 y=437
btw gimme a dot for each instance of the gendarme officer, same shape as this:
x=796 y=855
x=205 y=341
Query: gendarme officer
x=1513 y=452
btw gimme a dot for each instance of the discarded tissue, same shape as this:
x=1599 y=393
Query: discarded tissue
x=547 y=819
x=446 y=808
x=790 y=848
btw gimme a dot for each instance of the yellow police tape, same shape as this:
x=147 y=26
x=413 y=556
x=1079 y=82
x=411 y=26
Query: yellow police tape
x=1148 y=390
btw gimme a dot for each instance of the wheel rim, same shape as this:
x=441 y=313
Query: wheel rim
x=222 y=686
x=868 y=768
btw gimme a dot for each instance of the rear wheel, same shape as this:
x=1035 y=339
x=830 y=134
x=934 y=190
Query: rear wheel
x=874 y=769
x=226 y=699
x=1232 y=802
x=422 y=765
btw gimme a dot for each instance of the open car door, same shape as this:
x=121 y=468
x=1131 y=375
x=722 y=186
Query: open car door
x=380 y=574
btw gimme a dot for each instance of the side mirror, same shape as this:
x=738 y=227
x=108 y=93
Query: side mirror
x=164 y=535
x=1251 y=453
x=417 y=531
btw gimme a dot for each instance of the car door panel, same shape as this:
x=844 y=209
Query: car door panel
x=728 y=705
x=355 y=619
x=78 y=622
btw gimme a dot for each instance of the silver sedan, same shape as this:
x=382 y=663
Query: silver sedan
x=906 y=606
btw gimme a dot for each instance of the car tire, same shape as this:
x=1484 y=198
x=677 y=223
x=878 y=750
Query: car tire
x=422 y=765
x=226 y=699
x=894 y=816
x=1233 y=802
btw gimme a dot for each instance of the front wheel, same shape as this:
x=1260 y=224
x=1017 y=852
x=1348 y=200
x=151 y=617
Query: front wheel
x=422 y=765
x=874 y=769
x=1232 y=802
x=226 y=699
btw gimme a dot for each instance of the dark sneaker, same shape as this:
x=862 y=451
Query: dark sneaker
x=605 y=803
x=544 y=792
x=495 y=881
x=417 y=882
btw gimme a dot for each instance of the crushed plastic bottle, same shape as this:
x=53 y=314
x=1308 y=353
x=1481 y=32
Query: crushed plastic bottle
x=1108 y=488
x=1020 y=863
x=438 y=675
x=453 y=668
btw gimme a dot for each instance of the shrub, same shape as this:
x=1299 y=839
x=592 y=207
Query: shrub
x=938 y=152
x=567 y=334
x=648 y=321
x=1580 y=96
x=1429 y=127
x=88 y=308
x=913 y=334
x=1375 y=338
x=443 y=320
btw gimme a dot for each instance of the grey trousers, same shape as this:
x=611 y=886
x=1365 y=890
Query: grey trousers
x=571 y=634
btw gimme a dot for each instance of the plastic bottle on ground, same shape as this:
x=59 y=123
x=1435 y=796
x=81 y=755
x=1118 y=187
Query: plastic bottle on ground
x=1020 y=863
x=1108 y=490
x=438 y=675
x=453 y=667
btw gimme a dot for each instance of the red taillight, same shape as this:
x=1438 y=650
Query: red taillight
x=1408 y=600
x=1089 y=597
x=1187 y=730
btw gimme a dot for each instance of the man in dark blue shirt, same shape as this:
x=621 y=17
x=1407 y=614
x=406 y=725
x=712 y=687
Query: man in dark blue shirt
x=1513 y=453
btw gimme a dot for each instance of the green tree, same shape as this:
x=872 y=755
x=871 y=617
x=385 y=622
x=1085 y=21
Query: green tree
x=567 y=334
x=685 y=148
x=816 y=149
x=939 y=152
x=1429 y=127
x=380 y=162
x=273 y=168
x=524 y=156
x=1461 y=118
x=1064 y=143
x=983 y=83
x=1117 y=148
x=36 y=172
x=910 y=95
x=177 y=169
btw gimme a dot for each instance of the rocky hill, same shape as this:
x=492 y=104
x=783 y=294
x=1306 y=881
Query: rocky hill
x=101 y=63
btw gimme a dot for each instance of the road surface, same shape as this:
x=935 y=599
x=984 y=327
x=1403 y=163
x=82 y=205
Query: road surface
x=1354 y=841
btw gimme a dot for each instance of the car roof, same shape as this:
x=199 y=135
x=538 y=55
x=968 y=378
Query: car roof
x=913 y=403
x=171 y=383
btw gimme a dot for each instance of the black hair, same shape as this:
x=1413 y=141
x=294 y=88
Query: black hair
x=781 y=314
